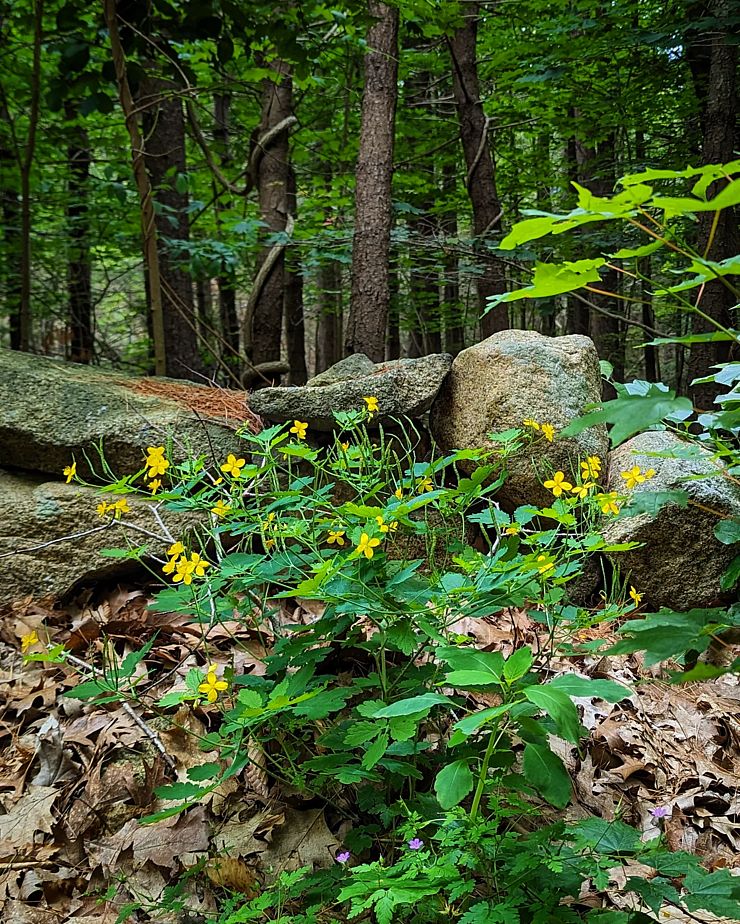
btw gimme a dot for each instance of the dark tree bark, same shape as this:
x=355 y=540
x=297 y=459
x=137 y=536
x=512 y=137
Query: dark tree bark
x=426 y=334
x=329 y=344
x=719 y=106
x=393 y=339
x=11 y=226
x=481 y=175
x=453 y=309
x=164 y=130
x=295 y=330
x=229 y=321
x=264 y=319
x=370 y=287
x=79 y=270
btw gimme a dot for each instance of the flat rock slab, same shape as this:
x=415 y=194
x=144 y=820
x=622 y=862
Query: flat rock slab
x=51 y=536
x=513 y=376
x=52 y=411
x=403 y=388
x=679 y=563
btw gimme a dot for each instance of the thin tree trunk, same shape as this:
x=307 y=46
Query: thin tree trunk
x=264 y=319
x=370 y=287
x=11 y=249
x=225 y=281
x=164 y=127
x=143 y=185
x=453 y=309
x=393 y=339
x=481 y=176
x=295 y=330
x=329 y=333
x=26 y=166
x=719 y=240
x=577 y=313
x=79 y=286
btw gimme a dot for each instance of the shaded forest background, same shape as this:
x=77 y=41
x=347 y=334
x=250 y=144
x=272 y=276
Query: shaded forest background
x=232 y=192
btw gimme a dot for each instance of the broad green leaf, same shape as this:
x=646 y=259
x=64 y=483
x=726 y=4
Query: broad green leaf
x=471 y=723
x=648 y=501
x=472 y=679
x=717 y=892
x=732 y=575
x=546 y=772
x=608 y=837
x=180 y=791
x=711 y=337
x=517 y=665
x=553 y=279
x=204 y=771
x=375 y=751
x=453 y=783
x=414 y=704
x=468 y=659
x=559 y=707
x=727 y=531
x=630 y=414
x=573 y=685
x=360 y=733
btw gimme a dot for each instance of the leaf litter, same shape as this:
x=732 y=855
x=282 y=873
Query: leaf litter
x=77 y=778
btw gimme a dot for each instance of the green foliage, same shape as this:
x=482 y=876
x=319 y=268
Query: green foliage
x=380 y=538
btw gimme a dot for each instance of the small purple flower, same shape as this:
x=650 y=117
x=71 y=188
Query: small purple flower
x=416 y=843
x=343 y=857
x=660 y=812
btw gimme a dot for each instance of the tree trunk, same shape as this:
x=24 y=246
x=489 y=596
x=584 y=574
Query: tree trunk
x=226 y=282
x=264 y=320
x=329 y=333
x=26 y=166
x=164 y=154
x=370 y=286
x=453 y=309
x=295 y=330
x=155 y=320
x=481 y=176
x=577 y=314
x=79 y=286
x=721 y=241
x=11 y=248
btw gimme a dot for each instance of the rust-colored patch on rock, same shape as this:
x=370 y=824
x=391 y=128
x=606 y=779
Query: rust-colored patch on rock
x=223 y=404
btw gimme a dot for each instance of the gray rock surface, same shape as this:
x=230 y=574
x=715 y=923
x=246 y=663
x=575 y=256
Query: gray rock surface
x=403 y=387
x=51 y=535
x=51 y=411
x=680 y=563
x=516 y=375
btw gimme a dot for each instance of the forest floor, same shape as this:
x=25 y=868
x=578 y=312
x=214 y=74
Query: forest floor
x=77 y=777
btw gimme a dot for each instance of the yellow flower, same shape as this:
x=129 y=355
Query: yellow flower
x=212 y=686
x=220 y=508
x=544 y=564
x=636 y=598
x=548 y=431
x=198 y=564
x=102 y=509
x=372 y=405
x=591 y=468
x=153 y=453
x=157 y=467
x=398 y=493
x=299 y=428
x=185 y=570
x=170 y=566
x=609 y=503
x=532 y=424
x=119 y=507
x=649 y=473
x=70 y=471
x=633 y=477
x=557 y=484
x=336 y=535
x=174 y=550
x=28 y=641
x=155 y=485
x=345 y=446
x=386 y=527
x=512 y=529
x=217 y=481
x=581 y=490
x=424 y=485
x=233 y=466
x=366 y=546
x=269 y=523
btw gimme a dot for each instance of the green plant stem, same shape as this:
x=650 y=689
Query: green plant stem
x=493 y=740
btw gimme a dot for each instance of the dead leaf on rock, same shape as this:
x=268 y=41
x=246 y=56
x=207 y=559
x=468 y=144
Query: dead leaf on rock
x=233 y=873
